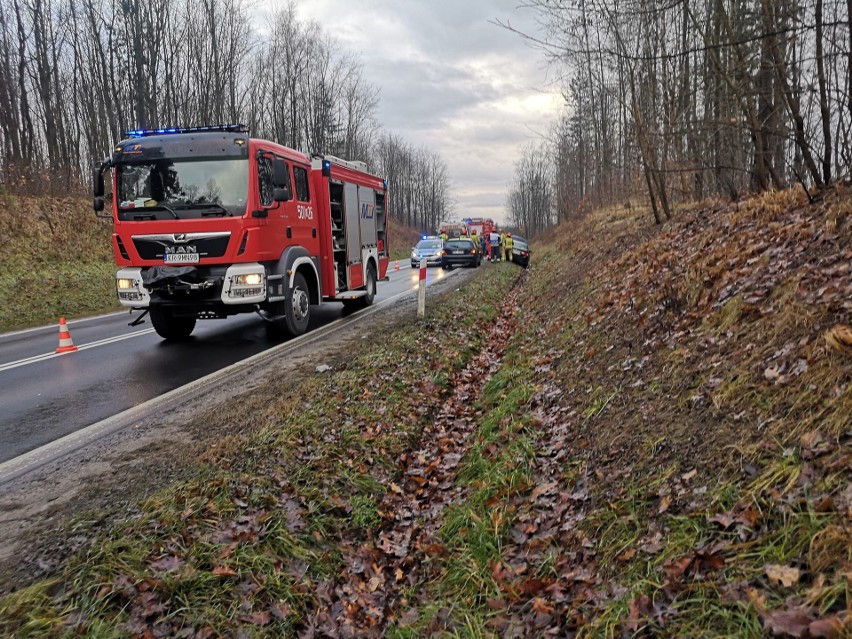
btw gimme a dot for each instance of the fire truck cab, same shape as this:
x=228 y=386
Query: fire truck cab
x=483 y=226
x=209 y=222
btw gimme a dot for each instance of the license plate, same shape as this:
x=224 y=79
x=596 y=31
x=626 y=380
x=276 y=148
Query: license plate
x=458 y=252
x=181 y=258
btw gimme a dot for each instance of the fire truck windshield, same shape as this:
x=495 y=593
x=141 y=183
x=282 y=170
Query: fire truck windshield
x=165 y=189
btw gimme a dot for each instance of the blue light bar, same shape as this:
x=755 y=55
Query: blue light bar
x=216 y=128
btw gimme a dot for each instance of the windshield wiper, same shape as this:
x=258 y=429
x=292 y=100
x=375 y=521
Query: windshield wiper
x=207 y=205
x=159 y=206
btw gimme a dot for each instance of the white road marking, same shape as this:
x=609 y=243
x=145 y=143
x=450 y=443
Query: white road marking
x=82 y=347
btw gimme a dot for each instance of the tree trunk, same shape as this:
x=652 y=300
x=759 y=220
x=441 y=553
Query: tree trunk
x=823 y=96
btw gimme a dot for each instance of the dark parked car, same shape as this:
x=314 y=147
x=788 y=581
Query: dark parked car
x=520 y=250
x=460 y=253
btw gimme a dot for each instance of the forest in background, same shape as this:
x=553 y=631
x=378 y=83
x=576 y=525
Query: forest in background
x=684 y=100
x=669 y=100
x=75 y=75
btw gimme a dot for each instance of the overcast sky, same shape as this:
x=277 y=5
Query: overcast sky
x=451 y=80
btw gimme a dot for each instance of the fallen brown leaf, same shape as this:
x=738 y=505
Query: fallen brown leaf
x=786 y=576
x=829 y=628
x=538 y=491
x=788 y=623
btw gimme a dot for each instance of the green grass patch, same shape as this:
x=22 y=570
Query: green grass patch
x=474 y=531
x=57 y=261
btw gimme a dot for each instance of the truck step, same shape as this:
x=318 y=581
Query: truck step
x=349 y=295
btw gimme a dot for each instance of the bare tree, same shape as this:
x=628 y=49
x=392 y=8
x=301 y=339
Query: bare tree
x=75 y=74
x=730 y=95
x=531 y=194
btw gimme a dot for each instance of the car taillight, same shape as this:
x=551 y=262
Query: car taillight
x=473 y=251
x=443 y=252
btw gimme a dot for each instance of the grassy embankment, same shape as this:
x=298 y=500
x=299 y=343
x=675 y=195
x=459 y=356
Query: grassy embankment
x=643 y=436
x=57 y=261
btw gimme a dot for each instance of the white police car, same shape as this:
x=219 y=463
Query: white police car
x=429 y=249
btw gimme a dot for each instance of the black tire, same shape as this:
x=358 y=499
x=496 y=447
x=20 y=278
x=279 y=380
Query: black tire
x=169 y=326
x=370 y=286
x=294 y=312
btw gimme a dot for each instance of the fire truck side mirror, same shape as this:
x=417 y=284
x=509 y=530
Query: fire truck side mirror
x=280 y=180
x=98 y=190
x=98 y=183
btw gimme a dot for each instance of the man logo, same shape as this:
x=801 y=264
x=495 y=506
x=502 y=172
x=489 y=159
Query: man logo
x=179 y=237
x=367 y=211
x=180 y=250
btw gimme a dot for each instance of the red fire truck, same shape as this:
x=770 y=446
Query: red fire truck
x=452 y=229
x=209 y=222
x=481 y=225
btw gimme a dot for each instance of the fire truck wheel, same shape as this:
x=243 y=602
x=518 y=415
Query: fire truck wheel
x=365 y=300
x=370 y=286
x=294 y=312
x=168 y=326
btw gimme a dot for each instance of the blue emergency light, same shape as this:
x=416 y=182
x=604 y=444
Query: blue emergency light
x=216 y=128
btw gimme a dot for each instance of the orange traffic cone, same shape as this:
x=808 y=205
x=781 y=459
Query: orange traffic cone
x=396 y=265
x=66 y=345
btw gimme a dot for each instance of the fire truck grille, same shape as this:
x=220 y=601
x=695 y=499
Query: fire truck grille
x=155 y=249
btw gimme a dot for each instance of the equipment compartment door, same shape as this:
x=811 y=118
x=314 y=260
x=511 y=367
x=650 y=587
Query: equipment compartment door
x=367 y=200
x=353 y=227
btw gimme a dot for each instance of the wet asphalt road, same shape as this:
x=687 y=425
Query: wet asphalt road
x=44 y=397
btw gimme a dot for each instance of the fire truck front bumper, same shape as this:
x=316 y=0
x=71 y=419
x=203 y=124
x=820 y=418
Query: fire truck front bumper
x=235 y=285
x=130 y=289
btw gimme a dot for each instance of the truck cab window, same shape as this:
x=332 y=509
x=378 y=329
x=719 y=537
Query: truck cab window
x=300 y=176
x=266 y=186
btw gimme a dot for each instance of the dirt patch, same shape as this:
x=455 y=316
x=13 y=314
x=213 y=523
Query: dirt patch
x=105 y=481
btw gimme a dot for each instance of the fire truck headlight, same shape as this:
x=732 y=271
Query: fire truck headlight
x=248 y=279
x=125 y=284
x=244 y=284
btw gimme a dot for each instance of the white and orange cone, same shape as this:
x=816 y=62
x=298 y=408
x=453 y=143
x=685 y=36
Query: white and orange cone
x=396 y=265
x=66 y=345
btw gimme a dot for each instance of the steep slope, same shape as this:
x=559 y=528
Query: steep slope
x=695 y=417
x=57 y=260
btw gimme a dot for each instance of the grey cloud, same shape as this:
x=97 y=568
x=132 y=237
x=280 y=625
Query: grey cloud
x=449 y=80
